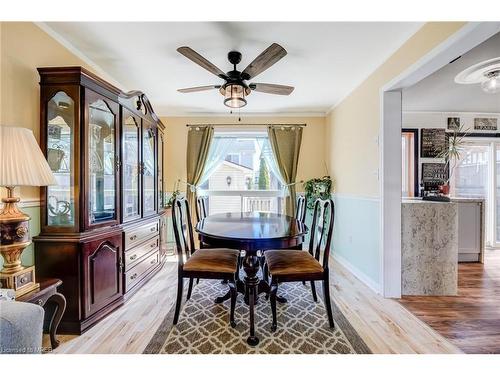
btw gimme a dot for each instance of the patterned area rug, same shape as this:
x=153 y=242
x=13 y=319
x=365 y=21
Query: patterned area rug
x=203 y=326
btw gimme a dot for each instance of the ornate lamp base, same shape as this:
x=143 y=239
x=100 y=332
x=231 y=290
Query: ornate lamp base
x=14 y=238
x=22 y=281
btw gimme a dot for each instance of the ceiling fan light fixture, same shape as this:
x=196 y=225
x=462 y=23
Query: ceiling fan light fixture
x=234 y=95
x=236 y=88
x=492 y=83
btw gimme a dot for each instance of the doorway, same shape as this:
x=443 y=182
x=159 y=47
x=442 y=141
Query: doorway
x=463 y=41
x=470 y=317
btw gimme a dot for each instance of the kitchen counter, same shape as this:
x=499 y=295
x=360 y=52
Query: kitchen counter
x=467 y=200
x=429 y=235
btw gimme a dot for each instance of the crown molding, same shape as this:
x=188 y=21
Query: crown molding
x=244 y=115
x=78 y=53
x=452 y=112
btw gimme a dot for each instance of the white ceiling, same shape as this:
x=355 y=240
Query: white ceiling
x=325 y=61
x=439 y=92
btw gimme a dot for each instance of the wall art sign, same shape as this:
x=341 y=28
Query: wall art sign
x=434 y=172
x=432 y=142
x=485 y=123
x=453 y=123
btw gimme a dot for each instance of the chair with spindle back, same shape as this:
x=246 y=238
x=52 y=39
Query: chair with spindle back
x=218 y=264
x=312 y=265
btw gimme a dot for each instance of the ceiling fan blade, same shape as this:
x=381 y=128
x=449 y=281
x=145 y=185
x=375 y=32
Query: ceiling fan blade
x=265 y=60
x=201 y=61
x=199 y=88
x=270 y=88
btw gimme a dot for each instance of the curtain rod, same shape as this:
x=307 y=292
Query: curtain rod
x=236 y=124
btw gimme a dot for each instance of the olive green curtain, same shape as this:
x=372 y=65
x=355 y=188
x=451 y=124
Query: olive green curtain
x=199 y=140
x=285 y=143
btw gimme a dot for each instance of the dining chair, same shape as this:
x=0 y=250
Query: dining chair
x=300 y=209
x=201 y=213
x=312 y=265
x=201 y=207
x=300 y=215
x=215 y=263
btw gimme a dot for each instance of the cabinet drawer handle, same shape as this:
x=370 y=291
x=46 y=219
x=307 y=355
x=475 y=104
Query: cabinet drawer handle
x=153 y=229
x=133 y=257
x=133 y=237
x=133 y=276
x=153 y=244
x=40 y=302
x=153 y=261
x=23 y=279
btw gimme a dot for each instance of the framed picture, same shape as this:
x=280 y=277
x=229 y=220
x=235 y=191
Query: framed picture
x=432 y=142
x=453 y=123
x=434 y=172
x=485 y=123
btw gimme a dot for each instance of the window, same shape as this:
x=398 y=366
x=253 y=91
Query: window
x=241 y=175
x=477 y=175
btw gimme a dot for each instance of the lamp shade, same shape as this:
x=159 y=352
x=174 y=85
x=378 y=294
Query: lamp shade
x=21 y=161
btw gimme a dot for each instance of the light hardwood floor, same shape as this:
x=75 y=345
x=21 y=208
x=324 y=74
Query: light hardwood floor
x=384 y=324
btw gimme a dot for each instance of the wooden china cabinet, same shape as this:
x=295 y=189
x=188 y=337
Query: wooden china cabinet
x=101 y=226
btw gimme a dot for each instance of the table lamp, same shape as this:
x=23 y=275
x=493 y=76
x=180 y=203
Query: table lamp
x=21 y=164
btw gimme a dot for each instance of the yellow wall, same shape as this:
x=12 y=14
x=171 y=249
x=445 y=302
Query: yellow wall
x=312 y=153
x=346 y=139
x=23 y=48
x=352 y=127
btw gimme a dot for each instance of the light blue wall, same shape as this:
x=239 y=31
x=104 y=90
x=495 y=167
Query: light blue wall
x=356 y=234
x=28 y=256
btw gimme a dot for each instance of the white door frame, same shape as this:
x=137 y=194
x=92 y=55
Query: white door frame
x=459 y=43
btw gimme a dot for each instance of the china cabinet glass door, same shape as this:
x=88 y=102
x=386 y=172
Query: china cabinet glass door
x=148 y=169
x=101 y=162
x=161 y=195
x=131 y=166
x=60 y=156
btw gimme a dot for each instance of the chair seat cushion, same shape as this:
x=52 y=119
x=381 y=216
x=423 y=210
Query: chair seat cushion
x=293 y=263
x=213 y=260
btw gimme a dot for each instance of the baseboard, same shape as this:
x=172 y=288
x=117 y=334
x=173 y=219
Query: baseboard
x=361 y=276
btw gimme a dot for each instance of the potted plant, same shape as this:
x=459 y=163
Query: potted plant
x=317 y=188
x=451 y=154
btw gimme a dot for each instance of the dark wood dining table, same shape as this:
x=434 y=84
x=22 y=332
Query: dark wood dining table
x=252 y=232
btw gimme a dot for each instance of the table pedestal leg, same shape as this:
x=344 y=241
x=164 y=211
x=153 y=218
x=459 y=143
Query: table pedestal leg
x=240 y=288
x=251 y=267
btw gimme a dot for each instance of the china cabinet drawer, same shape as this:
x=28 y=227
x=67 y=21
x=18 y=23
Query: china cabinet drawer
x=134 y=255
x=135 y=236
x=134 y=275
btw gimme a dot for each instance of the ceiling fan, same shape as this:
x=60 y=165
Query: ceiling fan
x=235 y=87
